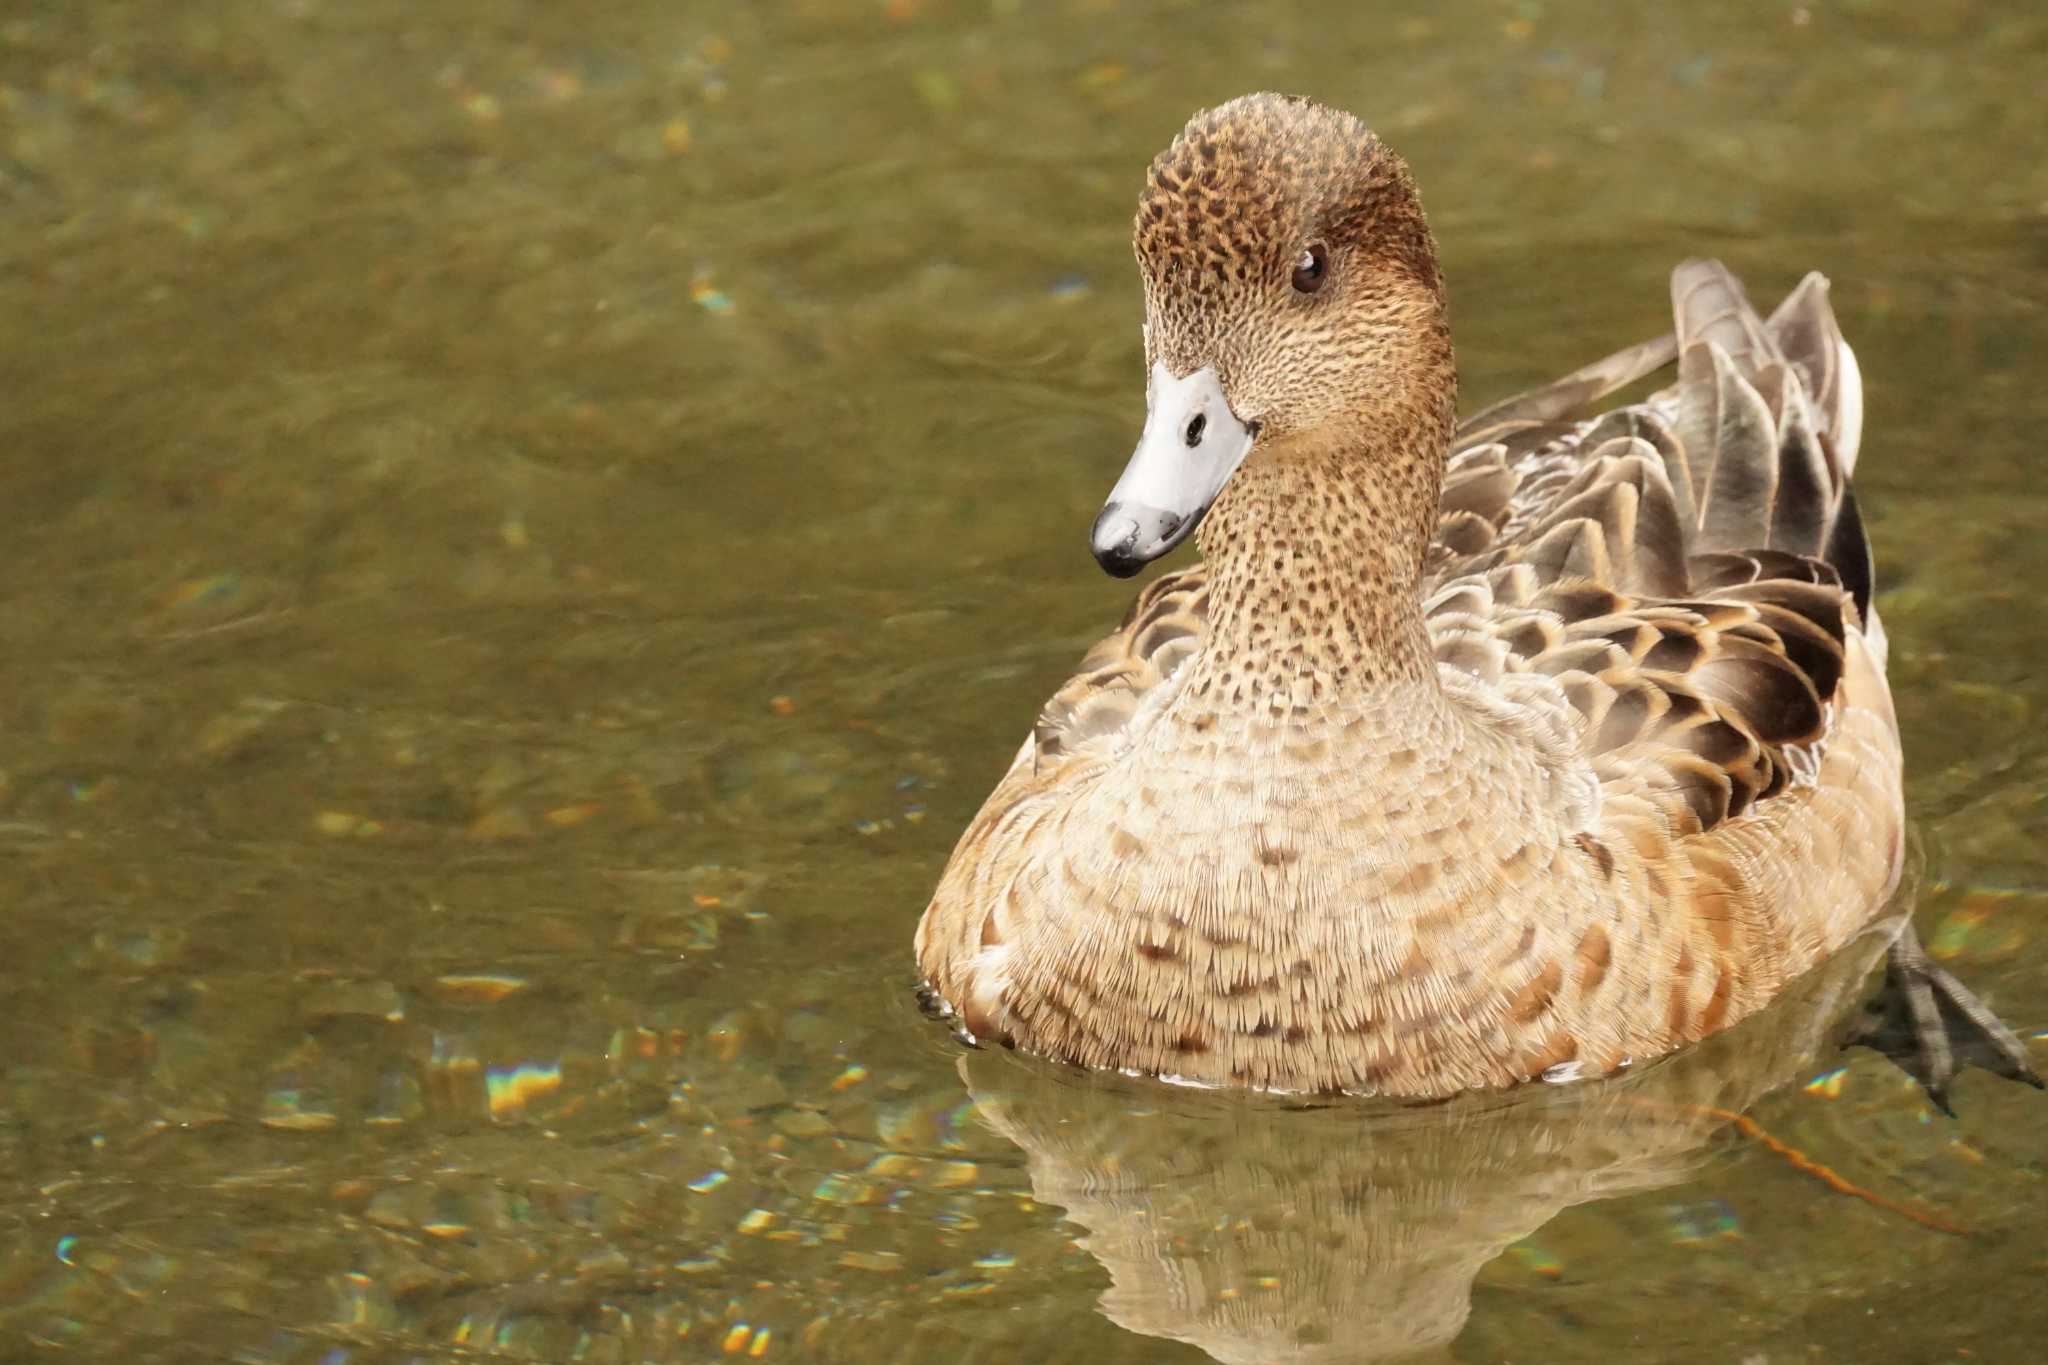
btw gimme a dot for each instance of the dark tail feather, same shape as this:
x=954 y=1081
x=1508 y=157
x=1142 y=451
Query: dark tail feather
x=1848 y=549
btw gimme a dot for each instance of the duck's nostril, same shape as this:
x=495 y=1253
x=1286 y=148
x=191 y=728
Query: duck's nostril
x=1196 y=427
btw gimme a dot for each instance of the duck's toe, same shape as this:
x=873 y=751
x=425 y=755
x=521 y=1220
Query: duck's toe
x=1933 y=1026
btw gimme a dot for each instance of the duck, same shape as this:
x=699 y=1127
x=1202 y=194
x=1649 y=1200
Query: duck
x=1536 y=745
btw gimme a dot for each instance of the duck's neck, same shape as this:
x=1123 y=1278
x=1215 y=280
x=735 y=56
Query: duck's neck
x=1315 y=556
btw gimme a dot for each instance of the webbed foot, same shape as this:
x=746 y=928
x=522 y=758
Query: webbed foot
x=1933 y=1026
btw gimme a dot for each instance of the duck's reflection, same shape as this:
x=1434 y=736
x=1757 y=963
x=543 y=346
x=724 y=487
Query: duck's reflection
x=1263 y=1232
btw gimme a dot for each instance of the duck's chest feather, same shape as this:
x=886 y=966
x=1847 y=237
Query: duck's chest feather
x=1382 y=897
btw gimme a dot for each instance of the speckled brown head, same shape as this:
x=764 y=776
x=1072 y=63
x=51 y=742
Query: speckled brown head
x=1292 y=302
x=1283 y=243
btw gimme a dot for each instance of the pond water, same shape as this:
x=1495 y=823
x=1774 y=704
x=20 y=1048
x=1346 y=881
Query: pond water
x=535 y=526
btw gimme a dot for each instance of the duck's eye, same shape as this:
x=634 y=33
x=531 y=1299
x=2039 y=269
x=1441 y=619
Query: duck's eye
x=1311 y=268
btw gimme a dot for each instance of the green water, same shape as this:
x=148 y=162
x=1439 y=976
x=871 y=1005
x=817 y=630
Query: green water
x=531 y=527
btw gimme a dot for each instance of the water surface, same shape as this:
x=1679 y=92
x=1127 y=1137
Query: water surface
x=531 y=530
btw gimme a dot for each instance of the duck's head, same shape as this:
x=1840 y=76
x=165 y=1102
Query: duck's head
x=1292 y=303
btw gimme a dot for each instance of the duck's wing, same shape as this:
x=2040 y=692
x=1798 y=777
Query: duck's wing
x=1549 y=408
x=1124 y=669
x=1688 y=568
x=1755 y=443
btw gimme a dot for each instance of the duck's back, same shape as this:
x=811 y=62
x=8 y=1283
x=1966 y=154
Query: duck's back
x=1692 y=571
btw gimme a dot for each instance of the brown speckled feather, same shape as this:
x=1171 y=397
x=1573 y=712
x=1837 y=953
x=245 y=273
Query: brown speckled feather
x=1589 y=772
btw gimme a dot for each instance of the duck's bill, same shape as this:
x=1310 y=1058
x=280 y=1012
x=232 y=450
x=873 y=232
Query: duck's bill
x=1192 y=444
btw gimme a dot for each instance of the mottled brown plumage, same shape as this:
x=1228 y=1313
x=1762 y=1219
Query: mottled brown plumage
x=1467 y=754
